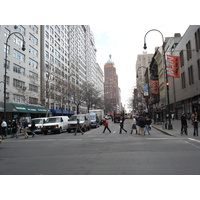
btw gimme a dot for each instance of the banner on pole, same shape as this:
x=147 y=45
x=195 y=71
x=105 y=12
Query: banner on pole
x=154 y=87
x=173 y=66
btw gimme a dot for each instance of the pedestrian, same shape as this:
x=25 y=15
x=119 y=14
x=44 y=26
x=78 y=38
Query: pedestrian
x=141 y=124
x=14 y=129
x=9 y=127
x=147 y=125
x=195 y=123
x=133 y=125
x=105 y=123
x=122 y=125
x=32 y=129
x=25 y=126
x=3 y=129
x=78 y=127
x=184 y=124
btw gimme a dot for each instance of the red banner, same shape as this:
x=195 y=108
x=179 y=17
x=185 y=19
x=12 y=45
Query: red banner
x=154 y=87
x=173 y=66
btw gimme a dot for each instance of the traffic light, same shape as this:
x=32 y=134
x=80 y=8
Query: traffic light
x=167 y=84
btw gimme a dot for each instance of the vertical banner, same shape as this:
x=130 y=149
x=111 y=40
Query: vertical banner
x=154 y=87
x=173 y=66
x=146 y=91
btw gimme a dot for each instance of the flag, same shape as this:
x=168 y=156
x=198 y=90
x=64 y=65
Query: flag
x=154 y=86
x=173 y=66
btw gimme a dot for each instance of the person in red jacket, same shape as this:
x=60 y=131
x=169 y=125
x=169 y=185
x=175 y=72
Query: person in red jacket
x=105 y=123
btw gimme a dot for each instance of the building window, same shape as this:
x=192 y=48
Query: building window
x=33 y=51
x=33 y=88
x=197 y=39
x=33 y=63
x=183 y=80
x=33 y=76
x=22 y=30
x=189 y=50
x=33 y=39
x=190 y=74
x=18 y=69
x=6 y=32
x=33 y=100
x=198 y=66
x=18 y=55
x=18 y=41
x=18 y=83
x=18 y=98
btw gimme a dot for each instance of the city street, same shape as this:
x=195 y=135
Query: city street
x=97 y=153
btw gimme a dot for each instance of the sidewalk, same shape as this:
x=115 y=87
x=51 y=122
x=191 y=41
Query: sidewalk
x=176 y=124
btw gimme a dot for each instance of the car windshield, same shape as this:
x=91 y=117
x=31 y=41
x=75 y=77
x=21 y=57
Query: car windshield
x=92 y=117
x=53 y=120
x=75 y=117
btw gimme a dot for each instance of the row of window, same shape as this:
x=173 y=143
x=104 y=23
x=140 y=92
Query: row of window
x=190 y=75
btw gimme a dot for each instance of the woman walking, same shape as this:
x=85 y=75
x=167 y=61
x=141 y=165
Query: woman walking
x=105 y=123
x=134 y=125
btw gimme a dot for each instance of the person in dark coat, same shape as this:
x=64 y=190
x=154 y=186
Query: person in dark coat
x=184 y=124
x=14 y=129
x=32 y=128
x=195 y=124
x=122 y=125
x=141 y=125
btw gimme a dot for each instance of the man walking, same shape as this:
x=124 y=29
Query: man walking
x=25 y=129
x=3 y=128
x=78 y=127
x=122 y=125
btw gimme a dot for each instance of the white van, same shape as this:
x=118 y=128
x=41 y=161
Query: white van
x=39 y=123
x=56 y=124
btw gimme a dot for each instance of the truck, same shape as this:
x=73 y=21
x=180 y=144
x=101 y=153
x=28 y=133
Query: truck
x=99 y=112
x=117 y=116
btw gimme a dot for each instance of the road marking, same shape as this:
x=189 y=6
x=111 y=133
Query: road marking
x=194 y=140
x=192 y=144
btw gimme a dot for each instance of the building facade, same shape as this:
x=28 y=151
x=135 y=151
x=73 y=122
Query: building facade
x=111 y=90
x=58 y=61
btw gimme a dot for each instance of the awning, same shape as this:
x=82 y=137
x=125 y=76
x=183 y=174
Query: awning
x=36 y=109
x=20 y=108
x=58 y=111
x=9 y=107
x=30 y=109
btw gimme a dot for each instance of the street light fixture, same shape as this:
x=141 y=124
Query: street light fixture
x=167 y=87
x=5 y=65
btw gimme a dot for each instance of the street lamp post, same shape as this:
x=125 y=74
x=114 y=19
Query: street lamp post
x=168 y=107
x=5 y=66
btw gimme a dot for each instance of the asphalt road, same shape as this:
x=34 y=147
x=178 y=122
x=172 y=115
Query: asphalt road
x=97 y=153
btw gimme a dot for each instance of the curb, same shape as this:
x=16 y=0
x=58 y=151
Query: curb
x=163 y=131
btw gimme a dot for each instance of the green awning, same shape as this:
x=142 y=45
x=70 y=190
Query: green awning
x=36 y=109
x=20 y=108
x=9 y=107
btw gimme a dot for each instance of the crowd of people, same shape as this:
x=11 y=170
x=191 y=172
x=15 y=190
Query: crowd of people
x=140 y=125
x=12 y=127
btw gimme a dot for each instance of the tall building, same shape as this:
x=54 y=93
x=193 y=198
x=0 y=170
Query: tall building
x=111 y=90
x=59 y=60
x=23 y=68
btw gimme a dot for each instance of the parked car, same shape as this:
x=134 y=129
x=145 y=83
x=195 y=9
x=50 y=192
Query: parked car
x=95 y=122
x=85 y=122
x=39 y=123
x=56 y=124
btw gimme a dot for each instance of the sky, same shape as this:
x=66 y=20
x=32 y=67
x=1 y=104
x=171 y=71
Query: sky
x=124 y=43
